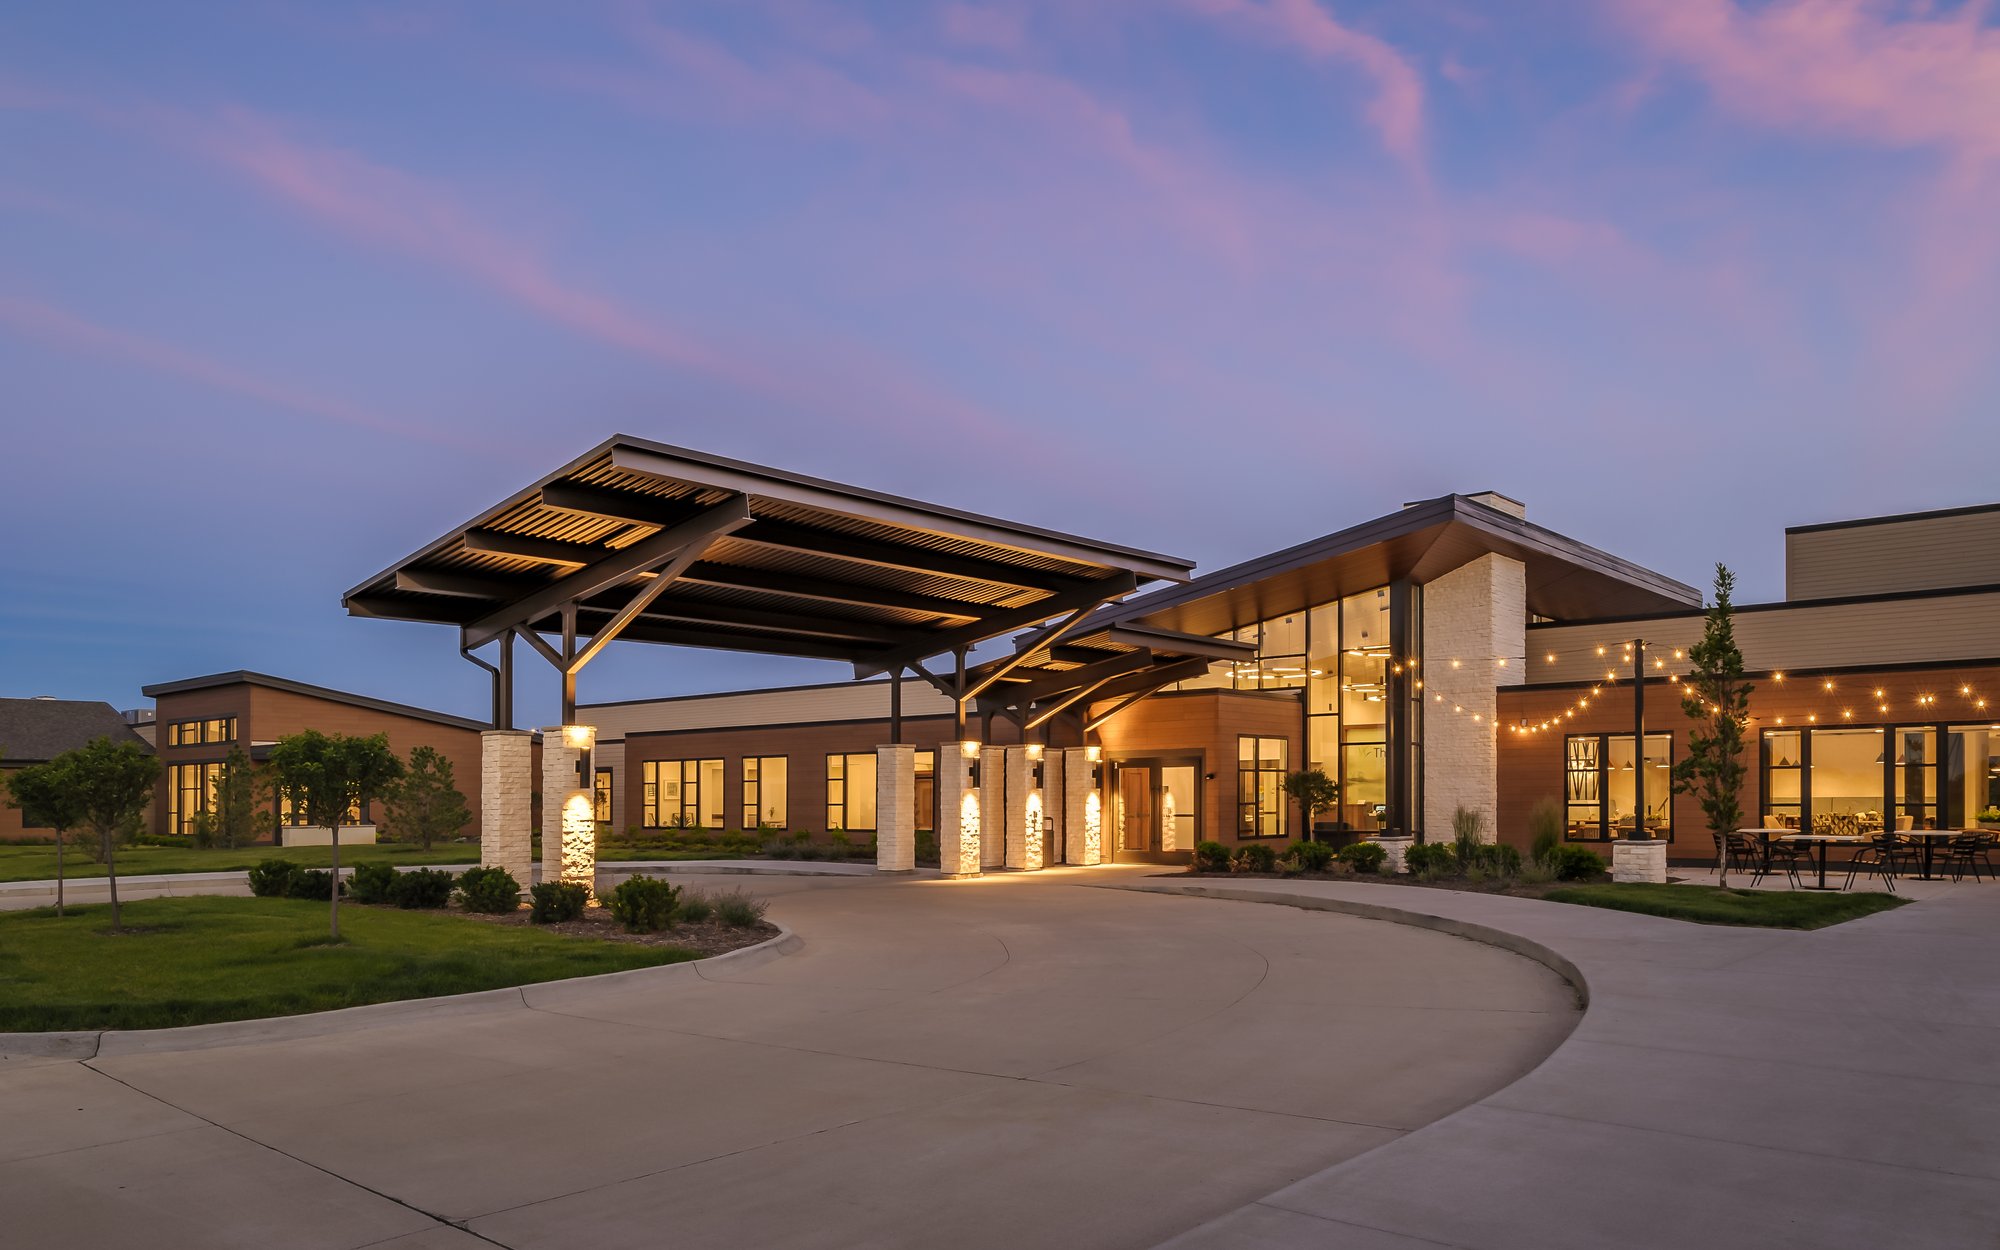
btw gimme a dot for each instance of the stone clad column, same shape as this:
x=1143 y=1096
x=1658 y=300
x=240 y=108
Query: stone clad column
x=895 y=808
x=992 y=807
x=1083 y=807
x=1024 y=808
x=569 y=811
x=958 y=810
x=506 y=794
x=1476 y=615
x=1053 y=814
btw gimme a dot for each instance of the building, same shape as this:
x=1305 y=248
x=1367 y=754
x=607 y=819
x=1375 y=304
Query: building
x=199 y=720
x=35 y=731
x=1448 y=655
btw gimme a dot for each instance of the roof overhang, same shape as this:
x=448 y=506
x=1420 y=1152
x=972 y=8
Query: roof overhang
x=1566 y=579
x=753 y=559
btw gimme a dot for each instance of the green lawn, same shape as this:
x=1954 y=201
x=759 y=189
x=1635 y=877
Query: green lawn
x=38 y=863
x=1707 y=904
x=199 y=960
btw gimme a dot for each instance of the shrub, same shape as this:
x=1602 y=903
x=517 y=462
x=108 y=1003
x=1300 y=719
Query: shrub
x=1430 y=860
x=927 y=847
x=492 y=890
x=739 y=910
x=1211 y=857
x=272 y=878
x=1310 y=856
x=1256 y=857
x=694 y=907
x=841 y=846
x=422 y=887
x=806 y=850
x=778 y=850
x=553 y=902
x=1363 y=857
x=372 y=883
x=643 y=904
x=1576 y=863
x=1545 y=829
x=310 y=883
x=1466 y=827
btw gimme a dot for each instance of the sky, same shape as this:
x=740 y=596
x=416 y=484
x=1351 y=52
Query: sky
x=289 y=289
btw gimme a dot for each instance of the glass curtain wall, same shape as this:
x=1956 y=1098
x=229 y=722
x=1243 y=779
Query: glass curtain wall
x=1863 y=780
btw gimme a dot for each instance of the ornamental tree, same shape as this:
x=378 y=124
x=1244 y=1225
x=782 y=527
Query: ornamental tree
x=328 y=776
x=112 y=784
x=47 y=798
x=1314 y=792
x=1717 y=699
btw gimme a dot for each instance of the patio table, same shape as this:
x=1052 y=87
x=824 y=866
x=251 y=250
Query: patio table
x=1822 y=841
x=1930 y=837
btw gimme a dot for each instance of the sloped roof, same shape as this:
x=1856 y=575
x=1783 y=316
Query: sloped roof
x=33 y=731
x=244 y=677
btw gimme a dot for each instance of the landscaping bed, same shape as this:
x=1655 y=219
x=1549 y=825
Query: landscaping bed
x=704 y=938
x=37 y=861
x=1709 y=904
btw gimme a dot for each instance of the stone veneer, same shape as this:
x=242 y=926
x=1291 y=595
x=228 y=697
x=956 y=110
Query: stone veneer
x=506 y=800
x=567 y=855
x=1639 y=861
x=895 y=808
x=1024 y=809
x=1082 y=808
x=1476 y=615
x=958 y=811
x=992 y=807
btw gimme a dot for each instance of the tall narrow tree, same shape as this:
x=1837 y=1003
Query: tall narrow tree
x=113 y=784
x=425 y=803
x=329 y=777
x=1717 y=700
x=47 y=798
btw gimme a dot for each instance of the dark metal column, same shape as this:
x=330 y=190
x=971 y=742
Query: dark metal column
x=1638 y=739
x=1400 y=761
x=504 y=719
x=896 y=705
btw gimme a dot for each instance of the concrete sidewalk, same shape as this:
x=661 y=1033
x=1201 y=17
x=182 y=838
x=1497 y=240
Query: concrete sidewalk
x=1727 y=1088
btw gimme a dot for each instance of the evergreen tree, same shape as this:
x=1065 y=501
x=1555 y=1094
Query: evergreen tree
x=426 y=804
x=1717 y=699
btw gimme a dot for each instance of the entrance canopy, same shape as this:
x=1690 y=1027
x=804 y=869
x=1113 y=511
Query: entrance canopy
x=1048 y=676
x=652 y=543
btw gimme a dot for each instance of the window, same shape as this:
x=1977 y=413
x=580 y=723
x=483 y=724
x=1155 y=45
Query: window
x=1601 y=787
x=1260 y=787
x=764 y=778
x=1852 y=781
x=190 y=788
x=927 y=791
x=194 y=733
x=1784 y=778
x=600 y=792
x=295 y=817
x=682 y=794
x=850 y=792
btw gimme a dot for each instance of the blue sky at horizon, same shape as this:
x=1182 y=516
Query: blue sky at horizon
x=287 y=290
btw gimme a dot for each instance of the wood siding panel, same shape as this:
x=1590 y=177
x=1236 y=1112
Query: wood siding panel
x=1208 y=723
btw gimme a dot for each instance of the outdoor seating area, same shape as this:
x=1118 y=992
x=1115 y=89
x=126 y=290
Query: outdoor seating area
x=1804 y=860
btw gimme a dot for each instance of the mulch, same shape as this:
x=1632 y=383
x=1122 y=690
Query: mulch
x=710 y=937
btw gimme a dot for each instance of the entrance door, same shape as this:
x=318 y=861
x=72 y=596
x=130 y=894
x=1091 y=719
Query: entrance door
x=1135 y=807
x=1179 y=829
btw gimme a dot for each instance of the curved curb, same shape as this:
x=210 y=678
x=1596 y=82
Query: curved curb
x=1513 y=942
x=536 y=995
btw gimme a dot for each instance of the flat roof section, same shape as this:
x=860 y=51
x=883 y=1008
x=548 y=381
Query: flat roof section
x=754 y=559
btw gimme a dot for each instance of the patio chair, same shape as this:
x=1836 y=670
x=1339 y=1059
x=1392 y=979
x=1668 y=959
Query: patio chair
x=1765 y=853
x=1971 y=849
x=1884 y=856
x=1734 y=850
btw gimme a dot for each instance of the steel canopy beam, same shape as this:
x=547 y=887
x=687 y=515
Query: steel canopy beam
x=1156 y=681
x=614 y=569
x=1047 y=685
x=524 y=547
x=1079 y=602
x=807 y=540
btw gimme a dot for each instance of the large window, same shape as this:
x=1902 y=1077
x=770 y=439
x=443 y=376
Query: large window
x=684 y=794
x=927 y=790
x=293 y=816
x=1260 y=787
x=194 y=733
x=190 y=789
x=1863 y=780
x=850 y=792
x=600 y=795
x=764 y=779
x=1601 y=789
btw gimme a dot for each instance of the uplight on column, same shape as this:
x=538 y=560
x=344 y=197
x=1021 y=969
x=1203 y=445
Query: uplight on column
x=579 y=812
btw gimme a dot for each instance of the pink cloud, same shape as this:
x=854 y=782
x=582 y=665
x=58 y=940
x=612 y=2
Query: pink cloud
x=1396 y=112
x=51 y=324
x=1866 y=69
x=708 y=75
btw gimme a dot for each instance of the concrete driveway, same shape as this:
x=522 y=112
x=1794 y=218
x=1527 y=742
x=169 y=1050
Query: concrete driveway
x=1006 y=1062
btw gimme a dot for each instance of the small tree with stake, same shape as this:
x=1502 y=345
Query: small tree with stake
x=112 y=784
x=328 y=776
x=1717 y=700
x=1314 y=792
x=47 y=798
x=425 y=802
